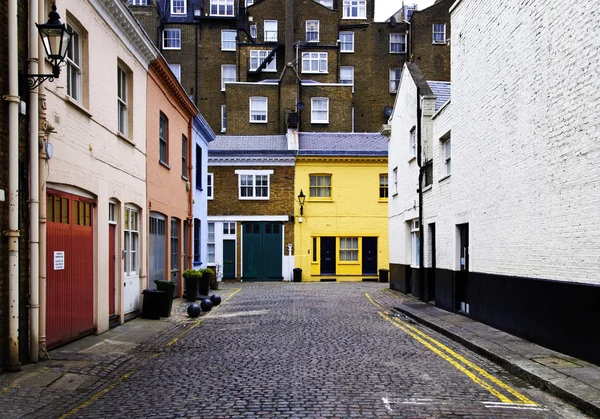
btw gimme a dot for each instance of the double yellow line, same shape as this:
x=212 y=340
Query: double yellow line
x=478 y=375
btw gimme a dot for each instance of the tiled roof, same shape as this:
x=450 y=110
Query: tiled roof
x=441 y=90
x=249 y=143
x=343 y=144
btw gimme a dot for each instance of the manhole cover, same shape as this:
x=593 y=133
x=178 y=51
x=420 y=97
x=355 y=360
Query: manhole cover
x=555 y=362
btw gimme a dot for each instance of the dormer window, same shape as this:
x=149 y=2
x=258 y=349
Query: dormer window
x=312 y=31
x=178 y=7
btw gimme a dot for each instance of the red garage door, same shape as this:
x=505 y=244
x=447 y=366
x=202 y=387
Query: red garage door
x=70 y=268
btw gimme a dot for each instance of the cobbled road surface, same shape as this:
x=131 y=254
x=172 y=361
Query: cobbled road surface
x=310 y=350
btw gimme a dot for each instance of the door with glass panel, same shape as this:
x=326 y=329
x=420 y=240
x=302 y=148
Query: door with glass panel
x=131 y=261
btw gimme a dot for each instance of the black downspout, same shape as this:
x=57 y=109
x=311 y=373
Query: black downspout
x=197 y=35
x=420 y=189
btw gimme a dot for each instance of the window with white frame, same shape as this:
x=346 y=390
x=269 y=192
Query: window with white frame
x=415 y=245
x=257 y=56
x=131 y=242
x=253 y=31
x=138 y=2
x=346 y=41
x=314 y=62
x=249 y=3
x=227 y=75
x=395 y=74
x=320 y=186
x=383 y=186
x=319 y=110
x=397 y=43
x=223 y=118
x=209 y=186
x=439 y=33
x=412 y=145
x=228 y=40
x=312 y=31
x=347 y=76
x=395 y=174
x=122 y=100
x=178 y=7
x=270 y=31
x=258 y=109
x=355 y=9
x=210 y=243
x=348 y=249
x=254 y=184
x=447 y=154
x=74 y=65
x=326 y=3
x=172 y=38
x=229 y=229
x=221 y=7
x=176 y=69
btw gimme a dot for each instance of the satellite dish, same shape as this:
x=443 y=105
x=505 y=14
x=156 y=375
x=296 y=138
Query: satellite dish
x=300 y=105
x=393 y=21
x=388 y=110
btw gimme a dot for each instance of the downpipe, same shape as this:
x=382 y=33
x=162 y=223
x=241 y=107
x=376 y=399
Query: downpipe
x=421 y=174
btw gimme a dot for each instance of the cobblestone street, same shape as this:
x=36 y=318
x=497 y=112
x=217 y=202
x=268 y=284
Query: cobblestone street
x=317 y=350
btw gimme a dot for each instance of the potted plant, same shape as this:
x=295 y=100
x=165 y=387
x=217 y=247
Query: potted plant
x=206 y=273
x=192 y=279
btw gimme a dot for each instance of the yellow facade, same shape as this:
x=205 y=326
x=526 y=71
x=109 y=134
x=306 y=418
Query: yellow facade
x=336 y=234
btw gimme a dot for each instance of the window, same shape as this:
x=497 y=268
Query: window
x=439 y=33
x=397 y=43
x=253 y=31
x=428 y=178
x=253 y=184
x=172 y=38
x=198 y=167
x=347 y=76
x=383 y=186
x=196 y=241
x=112 y=213
x=228 y=40
x=131 y=243
x=178 y=7
x=174 y=244
x=223 y=118
x=314 y=62
x=312 y=31
x=258 y=109
x=138 y=2
x=258 y=56
x=176 y=69
x=447 y=156
x=228 y=228
x=82 y=213
x=326 y=3
x=348 y=249
x=163 y=138
x=249 y=3
x=184 y=156
x=221 y=7
x=227 y=75
x=355 y=9
x=209 y=186
x=73 y=60
x=415 y=245
x=319 y=110
x=122 y=97
x=395 y=74
x=395 y=173
x=210 y=245
x=320 y=186
x=346 y=41
x=270 y=31
x=413 y=143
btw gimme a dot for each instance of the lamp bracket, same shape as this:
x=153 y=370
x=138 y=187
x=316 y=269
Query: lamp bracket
x=34 y=80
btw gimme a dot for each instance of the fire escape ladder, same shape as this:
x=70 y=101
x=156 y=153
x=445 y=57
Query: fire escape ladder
x=266 y=61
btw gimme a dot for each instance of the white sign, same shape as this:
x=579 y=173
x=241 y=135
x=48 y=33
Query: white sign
x=59 y=261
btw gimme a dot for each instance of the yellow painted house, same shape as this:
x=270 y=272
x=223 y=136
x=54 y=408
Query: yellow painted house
x=342 y=232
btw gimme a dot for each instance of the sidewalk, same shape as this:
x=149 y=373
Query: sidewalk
x=574 y=380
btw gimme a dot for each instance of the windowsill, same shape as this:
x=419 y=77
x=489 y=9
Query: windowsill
x=439 y=43
x=427 y=188
x=445 y=177
x=397 y=52
x=354 y=18
x=347 y=52
x=412 y=159
x=252 y=198
x=162 y=163
x=383 y=200
x=317 y=201
x=315 y=72
x=231 y=50
x=77 y=105
x=126 y=139
x=172 y=49
x=319 y=122
x=184 y=178
x=258 y=122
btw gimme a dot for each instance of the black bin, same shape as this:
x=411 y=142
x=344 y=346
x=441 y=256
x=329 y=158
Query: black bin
x=297 y=274
x=153 y=303
x=169 y=288
x=384 y=275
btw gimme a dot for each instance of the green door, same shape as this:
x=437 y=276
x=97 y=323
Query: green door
x=228 y=259
x=262 y=252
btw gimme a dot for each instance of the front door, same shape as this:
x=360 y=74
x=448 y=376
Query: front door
x=175 y=253
x=112 y=259
x=462 y=276
x=158 y=249
x=131 y=261
x=369 y=255
x=327 y=255
x=228 y=259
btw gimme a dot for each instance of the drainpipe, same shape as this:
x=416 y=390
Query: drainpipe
x=13 y=188
x=421 y=174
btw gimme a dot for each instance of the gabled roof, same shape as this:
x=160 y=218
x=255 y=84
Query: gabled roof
x=256 y=144
x=342 y=144
x=441 y=90
x=418 y=79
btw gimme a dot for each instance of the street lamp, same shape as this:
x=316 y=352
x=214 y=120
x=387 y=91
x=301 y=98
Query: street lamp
x=301 y=199
x=56 y=39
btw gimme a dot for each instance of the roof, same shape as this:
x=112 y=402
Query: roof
x=441 y=90
x=249 y=143
x=419 y=80
x=342 y=144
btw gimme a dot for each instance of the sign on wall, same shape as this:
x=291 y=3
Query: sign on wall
x=59 y=261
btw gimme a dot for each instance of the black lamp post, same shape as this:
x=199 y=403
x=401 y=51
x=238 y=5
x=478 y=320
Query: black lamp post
x=56 y=39
x=301 y=199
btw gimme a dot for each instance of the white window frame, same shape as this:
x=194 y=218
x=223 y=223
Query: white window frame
x=395 y=176
x=270 y=33
x=326 y=3
x=228 y=44
x=229 y=229
x=256 y=113
x=398 y=39
x=176 y=70
x=257 y=56
x=395 y=71
x=178 y=7
x=221 y=8
x=131 y=245
x=74 y=60
x=447 y=154
x=413 y=143
x=349 y=70
x=348 y=249
x=122 y=100
x=210 y=244
x=223 y=118
x=312 y=28
x=355 y=9
x=415 y=244
x=438 y=32
x=249 y=3
x=210 y=186
x=316 y=111
x=138 y=2
x=167 y=40
x=320 y=58
x=344 y=43
x=247 y=181
x=227 y=76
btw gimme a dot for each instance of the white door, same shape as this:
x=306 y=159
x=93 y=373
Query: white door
x=131 y=262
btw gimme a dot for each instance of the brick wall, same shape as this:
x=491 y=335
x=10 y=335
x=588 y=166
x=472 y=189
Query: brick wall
x=340 y=108
x=238 y=106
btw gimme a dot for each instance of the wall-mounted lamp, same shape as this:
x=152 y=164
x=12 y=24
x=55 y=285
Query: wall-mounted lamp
x=56 y=39
x=301 y=199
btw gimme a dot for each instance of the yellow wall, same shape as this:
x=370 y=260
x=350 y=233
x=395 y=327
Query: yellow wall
x=355 y=210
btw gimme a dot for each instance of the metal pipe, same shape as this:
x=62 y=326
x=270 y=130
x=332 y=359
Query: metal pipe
x=421 y=173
